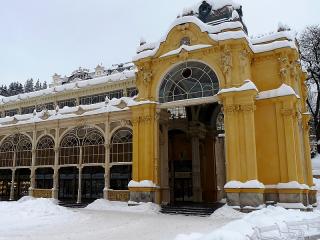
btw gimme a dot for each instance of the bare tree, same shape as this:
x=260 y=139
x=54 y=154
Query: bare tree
x=309 y=44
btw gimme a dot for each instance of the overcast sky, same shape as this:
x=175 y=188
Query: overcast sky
x=41 y=37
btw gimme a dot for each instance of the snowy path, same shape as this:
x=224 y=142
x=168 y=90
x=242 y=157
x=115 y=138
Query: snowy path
x=91 y=224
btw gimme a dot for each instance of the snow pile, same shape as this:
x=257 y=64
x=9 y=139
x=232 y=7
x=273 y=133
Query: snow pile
x=316 y=165
x=239 y=229
x=142 y=184
x=227 y=212
x=105 y=205
x=250 y=184
x=29 y=212
x=247 y=85
x=292 y=185
x=283 y=90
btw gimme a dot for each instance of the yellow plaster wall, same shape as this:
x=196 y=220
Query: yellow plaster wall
x=263 y=138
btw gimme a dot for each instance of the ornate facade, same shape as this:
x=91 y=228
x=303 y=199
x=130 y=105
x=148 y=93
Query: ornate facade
x=217 y=115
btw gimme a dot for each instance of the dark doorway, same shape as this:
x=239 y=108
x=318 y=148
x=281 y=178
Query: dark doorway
x=180 y=166
x=44 y=178
x=5 y=183
x=92 y=183
x=120 y=175
x=68 y=184
x=22 y=183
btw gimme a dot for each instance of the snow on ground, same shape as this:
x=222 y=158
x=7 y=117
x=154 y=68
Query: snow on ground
x=35 y=219
x=239 y=229
x=38 y=219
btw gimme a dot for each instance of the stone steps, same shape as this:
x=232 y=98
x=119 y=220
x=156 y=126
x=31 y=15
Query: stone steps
x=72 y=204
x=191 y=210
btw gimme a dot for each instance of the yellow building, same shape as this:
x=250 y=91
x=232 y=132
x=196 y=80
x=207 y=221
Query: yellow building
x=217 y=115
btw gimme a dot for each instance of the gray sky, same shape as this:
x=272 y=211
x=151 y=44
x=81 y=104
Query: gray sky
x=41 y=37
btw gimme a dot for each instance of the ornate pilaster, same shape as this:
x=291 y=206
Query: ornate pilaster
x=55 y=187
x=197 y=132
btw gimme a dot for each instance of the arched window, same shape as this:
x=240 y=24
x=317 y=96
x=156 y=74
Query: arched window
x=45 y=151
x=88 y=140
x=121 y=159
x=188 y=80
x=6 y=153
x=24 y=150
x=93 y=147
x=121 y=146
x=19 y=145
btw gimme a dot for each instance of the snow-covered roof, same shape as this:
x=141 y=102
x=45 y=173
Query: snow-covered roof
x=113 y=105
x=127 y=74
x=221 y=32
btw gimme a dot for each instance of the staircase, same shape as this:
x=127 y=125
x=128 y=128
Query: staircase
x=200 y=210
x=72 y=204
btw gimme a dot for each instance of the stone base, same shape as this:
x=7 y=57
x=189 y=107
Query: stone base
x=143 y=195
x=251 y=199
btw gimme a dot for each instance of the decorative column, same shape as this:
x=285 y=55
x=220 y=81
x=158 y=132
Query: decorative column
x=13 y=176
x=164 y=163
x=33 y=173
x=55 y=189
x=145 y=153
x=241 y=159
x=197 y=132
x=107 y=158
x=80 y=177
x=106 y=171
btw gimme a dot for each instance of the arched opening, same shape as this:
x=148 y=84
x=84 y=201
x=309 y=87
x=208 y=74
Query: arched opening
x=45 y=152
x=121 y=159
x=188 y=80
x=79 y=147
x=44 y=178
x=188 y=139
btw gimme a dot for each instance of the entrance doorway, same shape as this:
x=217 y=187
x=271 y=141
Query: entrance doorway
x=5 y=183
x=68 y=184
x=180 y=166
x=194 y=153
x=22 y=183
x=92 y=183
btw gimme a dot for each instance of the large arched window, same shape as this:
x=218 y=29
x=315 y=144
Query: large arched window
x=45 y=151
x=6 y=153
x=85 y=140
x=121 y=146
x=121 y=159
x=188 y=80
x=18 y=145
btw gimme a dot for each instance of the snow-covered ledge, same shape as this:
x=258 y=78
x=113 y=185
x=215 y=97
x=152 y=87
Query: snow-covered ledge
x=241 y=195
x=143 y=191
x=247 y=86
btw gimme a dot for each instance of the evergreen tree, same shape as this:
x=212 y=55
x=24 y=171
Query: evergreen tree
x=15 y=88
x=29 y=87
x=38 y=86
x=4 y=90
x=44 y=85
